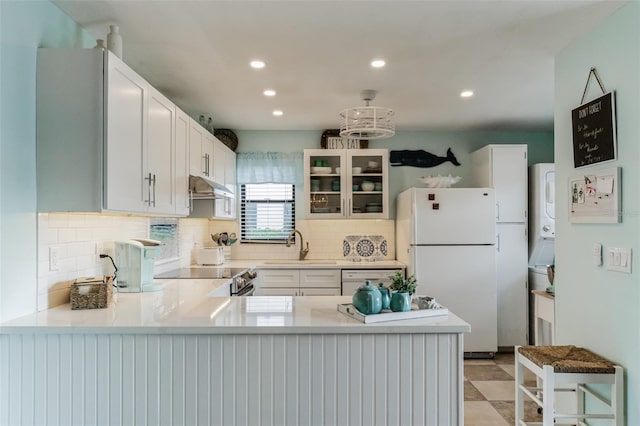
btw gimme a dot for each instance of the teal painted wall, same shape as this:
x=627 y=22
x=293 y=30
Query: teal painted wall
x=596 y=308
x=24 y=26
x=540 y=149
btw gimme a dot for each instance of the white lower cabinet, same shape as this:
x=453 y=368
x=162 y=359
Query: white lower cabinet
x=298 y=282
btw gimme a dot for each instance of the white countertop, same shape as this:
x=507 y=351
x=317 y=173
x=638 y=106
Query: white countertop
x=183 y=306
x=309 y=264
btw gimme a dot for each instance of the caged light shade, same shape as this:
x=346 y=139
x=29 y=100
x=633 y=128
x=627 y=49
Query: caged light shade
x=367 y=122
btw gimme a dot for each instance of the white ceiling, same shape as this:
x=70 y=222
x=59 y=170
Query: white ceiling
x=318 y=55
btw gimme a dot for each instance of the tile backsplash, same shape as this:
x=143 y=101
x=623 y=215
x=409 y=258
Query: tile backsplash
x=76 y=238
x=325 y=238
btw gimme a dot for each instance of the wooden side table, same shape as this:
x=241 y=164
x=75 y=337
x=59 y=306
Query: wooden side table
x=544 y=305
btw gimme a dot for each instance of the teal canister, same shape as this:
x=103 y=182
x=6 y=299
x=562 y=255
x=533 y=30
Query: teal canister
x=400 y=301
x=386 y=296
x=367 y=299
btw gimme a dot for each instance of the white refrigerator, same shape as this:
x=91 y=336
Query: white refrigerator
x=447 y=238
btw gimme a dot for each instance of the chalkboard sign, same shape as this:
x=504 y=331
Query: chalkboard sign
x=594 y=131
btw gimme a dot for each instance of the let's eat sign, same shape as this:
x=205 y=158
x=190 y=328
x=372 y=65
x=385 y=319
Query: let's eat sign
x=594 y=131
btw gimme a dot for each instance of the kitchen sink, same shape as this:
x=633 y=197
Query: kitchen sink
x=300 y=262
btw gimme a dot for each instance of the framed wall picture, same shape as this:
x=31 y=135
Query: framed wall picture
x=594 y=131
x=594 y=197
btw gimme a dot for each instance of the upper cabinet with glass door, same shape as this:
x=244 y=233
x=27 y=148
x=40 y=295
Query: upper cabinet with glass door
x=346 y=183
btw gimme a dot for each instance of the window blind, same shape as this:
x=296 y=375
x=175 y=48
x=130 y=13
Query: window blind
x=267 y=212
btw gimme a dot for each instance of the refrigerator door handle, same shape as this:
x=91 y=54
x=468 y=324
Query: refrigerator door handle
x=498 y=243
x=497 y=210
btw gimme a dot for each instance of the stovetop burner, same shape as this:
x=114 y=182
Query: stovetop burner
x=201 y=273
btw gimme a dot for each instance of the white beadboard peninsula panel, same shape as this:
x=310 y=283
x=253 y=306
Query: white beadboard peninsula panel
x=382 y=379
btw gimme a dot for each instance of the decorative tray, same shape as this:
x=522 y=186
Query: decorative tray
x=416 y=312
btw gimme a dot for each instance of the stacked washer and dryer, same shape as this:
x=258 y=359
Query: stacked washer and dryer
x=542 y=229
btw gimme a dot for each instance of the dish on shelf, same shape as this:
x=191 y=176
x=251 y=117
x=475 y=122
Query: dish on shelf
x=317 y=169
x=356 y=170
x=321 y=210
x=440 y=181
x=367 y=186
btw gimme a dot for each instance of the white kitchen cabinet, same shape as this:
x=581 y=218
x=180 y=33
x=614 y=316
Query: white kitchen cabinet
x=208 y=144
x=511 y=276
x=104 y=136
x=219 y=161
x=158 y=154
x=181 y=153
x=299 y=282
x=336 y=183
x=225 y=176
x=218 y=201
x=197 y=160
x=503 y=167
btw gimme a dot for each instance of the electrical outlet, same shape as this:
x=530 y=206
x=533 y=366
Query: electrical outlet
x=53 y=258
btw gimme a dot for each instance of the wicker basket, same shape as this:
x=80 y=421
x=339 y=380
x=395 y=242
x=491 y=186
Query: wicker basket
x=91 y=293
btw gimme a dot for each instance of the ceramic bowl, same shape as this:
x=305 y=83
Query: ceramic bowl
x=356 y=170
x=367 y=186
x=338 y=170
x=320 y=169
x=373 y=164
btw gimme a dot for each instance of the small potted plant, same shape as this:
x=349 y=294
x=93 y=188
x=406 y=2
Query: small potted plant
x=402 y=288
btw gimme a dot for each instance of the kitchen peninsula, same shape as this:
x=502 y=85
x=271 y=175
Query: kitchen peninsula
x=181 y=357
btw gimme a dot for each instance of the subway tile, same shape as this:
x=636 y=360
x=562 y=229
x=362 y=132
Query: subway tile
x=58 y=297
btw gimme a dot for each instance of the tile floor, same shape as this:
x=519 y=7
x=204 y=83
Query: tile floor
x=489 y=392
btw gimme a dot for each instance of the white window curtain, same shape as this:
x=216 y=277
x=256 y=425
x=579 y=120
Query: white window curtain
x=270 y=167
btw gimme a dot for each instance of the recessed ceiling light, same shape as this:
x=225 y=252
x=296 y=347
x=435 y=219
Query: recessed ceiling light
x=466 y=94
x=269 y=92
x=277 y=113
x=378 y=63
x=257 y=64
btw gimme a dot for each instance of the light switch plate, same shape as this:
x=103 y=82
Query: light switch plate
x=597 y=254
x=619 y=259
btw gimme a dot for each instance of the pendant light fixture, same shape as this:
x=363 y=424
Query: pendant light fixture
x=367 y=122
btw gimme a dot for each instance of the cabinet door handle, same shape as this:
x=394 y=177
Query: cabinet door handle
x=344 y=212
x=497 y=210
x=148 y=200
x=154 y=190
x=206 y=165
x=498 y=242
x=190 y=201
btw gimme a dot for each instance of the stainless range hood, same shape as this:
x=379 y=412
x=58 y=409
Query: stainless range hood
x=202 y=187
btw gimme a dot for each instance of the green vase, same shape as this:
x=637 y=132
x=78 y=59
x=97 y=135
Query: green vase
x=400 y=301
x=386 y=296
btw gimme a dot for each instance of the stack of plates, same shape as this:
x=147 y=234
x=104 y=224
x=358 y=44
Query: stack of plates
x=373 y=208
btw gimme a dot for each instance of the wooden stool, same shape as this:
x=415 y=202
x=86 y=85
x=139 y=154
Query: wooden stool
x=563 y=365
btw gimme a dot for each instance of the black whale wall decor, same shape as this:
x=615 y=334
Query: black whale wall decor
x=420 y=158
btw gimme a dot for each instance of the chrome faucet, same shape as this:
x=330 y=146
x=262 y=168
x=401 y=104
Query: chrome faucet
x=303 y=251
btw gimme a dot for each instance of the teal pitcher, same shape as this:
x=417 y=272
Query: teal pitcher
x=367 y=299
x=386 y=296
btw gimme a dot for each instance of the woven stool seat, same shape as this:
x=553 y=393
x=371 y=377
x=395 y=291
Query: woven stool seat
x=571 y=369
x=568 y=359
